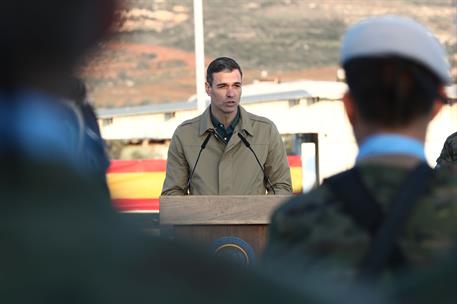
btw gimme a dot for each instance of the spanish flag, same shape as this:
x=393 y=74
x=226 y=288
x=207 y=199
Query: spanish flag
x=135 y=185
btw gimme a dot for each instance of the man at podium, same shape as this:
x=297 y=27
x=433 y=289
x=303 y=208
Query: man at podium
x=226 y=150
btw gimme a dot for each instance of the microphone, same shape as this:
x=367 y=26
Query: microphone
x=203 y=146
x=265 y=177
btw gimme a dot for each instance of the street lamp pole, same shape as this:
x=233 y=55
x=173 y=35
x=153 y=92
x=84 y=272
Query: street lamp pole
x=199 y=55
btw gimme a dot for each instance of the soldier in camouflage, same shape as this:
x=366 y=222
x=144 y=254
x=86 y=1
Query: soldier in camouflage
x=434 y=285
x=449 y=153
x=396 y=71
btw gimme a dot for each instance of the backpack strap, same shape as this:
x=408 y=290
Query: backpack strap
x=401 y=207
x=358 y=203
x=365 y=211
x=78 y=122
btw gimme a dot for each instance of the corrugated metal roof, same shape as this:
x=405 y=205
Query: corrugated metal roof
x=296 y=94
x=252 y=93
x=146 y=109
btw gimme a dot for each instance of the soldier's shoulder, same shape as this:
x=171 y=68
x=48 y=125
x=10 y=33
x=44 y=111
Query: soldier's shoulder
x=452 y=137
x=313 y=202
x=445 y=180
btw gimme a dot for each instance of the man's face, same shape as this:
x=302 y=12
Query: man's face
x=225 y=92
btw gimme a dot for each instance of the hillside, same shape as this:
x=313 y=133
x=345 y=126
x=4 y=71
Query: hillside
x=151 y=59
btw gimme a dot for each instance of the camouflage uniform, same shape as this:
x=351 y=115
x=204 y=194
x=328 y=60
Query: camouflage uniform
x=449 y=153
x=427 y=287
x=313 y=224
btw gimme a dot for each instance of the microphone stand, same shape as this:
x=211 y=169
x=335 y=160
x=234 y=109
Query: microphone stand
x=265 y=177
x=203 y=146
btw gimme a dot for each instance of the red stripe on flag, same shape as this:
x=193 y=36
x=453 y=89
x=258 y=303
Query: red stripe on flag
x=139 y=165
x=294 y=160
x=137 y=204
x=160 y=165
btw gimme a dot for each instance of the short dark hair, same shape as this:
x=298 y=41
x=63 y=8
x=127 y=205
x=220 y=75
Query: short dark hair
x=77 y=91
x=391 y=91
x=221 y=64
x=50 y=34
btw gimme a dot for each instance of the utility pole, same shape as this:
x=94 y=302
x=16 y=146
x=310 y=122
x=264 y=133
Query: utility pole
x=199 y=55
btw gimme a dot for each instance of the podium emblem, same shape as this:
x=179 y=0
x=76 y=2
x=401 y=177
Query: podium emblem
x=234 y=249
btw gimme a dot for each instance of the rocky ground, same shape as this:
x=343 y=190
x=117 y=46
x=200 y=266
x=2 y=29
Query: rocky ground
x=151 y=59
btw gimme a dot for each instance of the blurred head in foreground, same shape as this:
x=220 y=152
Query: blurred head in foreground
x=41 y=45
x=42 y=41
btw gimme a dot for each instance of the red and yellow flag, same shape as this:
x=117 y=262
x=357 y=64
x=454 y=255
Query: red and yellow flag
x=135 y=185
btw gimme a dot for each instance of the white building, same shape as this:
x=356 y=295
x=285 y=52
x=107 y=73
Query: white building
x=299 y=107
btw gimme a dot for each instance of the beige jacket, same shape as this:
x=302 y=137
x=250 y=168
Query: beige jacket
x=227 y=169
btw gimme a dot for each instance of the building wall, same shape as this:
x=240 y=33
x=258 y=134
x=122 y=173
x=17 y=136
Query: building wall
x=337 y=146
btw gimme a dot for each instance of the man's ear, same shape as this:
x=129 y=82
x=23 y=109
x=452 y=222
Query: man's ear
x=208 y=88
x=438 y=102
x=349 y=107
x=437 y=106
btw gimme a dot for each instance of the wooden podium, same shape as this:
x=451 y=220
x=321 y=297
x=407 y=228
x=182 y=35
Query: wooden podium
x=210 y=218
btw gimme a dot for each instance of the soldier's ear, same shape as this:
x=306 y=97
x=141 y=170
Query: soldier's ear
x=438 y=102
x=349 y=107
x=437 y=106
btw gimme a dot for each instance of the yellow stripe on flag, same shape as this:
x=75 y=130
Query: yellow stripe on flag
x=296 y=175
x=136 y=185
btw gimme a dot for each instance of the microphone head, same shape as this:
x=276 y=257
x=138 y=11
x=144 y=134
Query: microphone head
x=205 y=142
